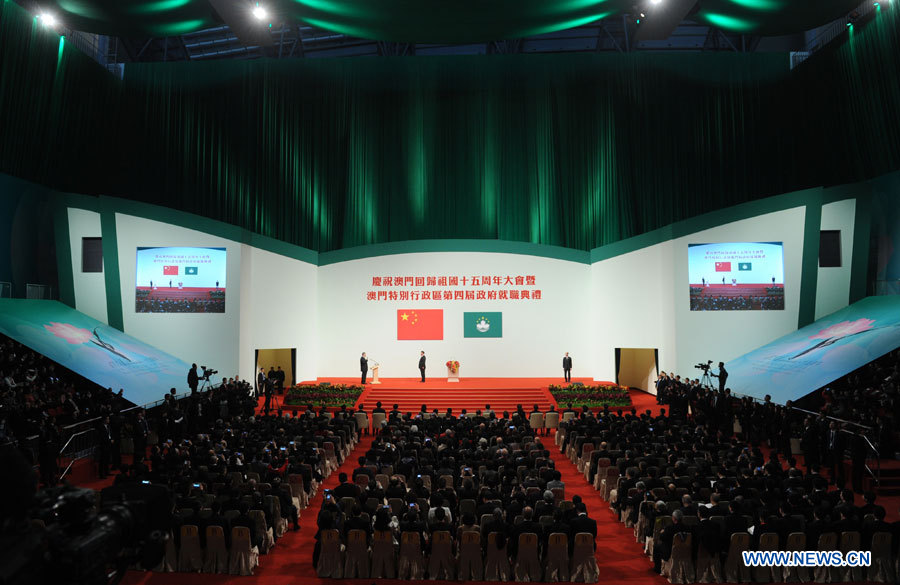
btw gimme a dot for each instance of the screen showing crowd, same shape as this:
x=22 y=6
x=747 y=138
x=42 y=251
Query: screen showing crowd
x=742 y=276
x=180 y=280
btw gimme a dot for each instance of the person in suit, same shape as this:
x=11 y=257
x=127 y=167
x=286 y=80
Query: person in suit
x=567 y=367
x=363 y=367
x=104 y=446
x=582 y=523
x=722 y=376
x=269 y=390
x=422 y=364
x=858 y=451
x=345 y=489
x=260 y=382
x=835 y=443
x=663 y=550
x=527 y=526
x=193 y=380
x=140 y=433
x=279 y=380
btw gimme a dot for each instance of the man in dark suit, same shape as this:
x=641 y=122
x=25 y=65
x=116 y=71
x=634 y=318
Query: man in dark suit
x=345 y=489
x=835 y=444
x=581 y=523
x=193 y=379
x=260 y=382
x=422 y=364
x=104 y=446
x=245 y=520
x=663 y=549
x=527 y=526
x=363 y=367
x=140 y=433
x=567 y=367
x=722 y=376
x=279 y=380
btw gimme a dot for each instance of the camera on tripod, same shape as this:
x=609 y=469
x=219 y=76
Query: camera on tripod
x=207 y=372
x=704 y=367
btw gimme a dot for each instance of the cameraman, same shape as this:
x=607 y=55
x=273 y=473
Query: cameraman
x=722 y=376
x=193 y=379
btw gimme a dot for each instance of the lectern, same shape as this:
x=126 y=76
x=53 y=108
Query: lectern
x=375 y=379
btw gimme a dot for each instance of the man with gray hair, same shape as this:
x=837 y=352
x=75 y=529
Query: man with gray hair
x=662 y=551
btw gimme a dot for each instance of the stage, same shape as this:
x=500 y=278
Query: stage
x=469 y=393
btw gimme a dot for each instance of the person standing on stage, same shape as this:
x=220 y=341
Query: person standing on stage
x=422 y=365
x=363 y=367
x=567 y=367
x=260 y=382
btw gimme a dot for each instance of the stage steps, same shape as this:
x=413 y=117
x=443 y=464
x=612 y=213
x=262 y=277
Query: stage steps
x=500 y=399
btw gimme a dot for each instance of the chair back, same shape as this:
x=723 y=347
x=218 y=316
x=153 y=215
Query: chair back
x=383 y=478
x=558 y=539
x=347 y=504
x=536 y=420
x=682 y=546
x=768 y=541
x=850 y=541
x=567 y=416
x=828 y=541
x=559 y=494
x=240 y=538
x=362 y=420
x=584 y=540
x=796 y=541
x=551 y=420
x=471 y=538
x=881 y=544
x=378 y=419
x=357 y=539
x=528 y=543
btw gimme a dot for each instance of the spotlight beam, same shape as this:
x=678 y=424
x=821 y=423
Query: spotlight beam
x=662 y=19
x=239 y=18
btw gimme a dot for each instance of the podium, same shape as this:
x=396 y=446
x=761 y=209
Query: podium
x=452 y=375
x=375 y=379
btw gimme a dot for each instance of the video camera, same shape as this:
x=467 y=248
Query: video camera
x=207 y=372
x=704 y=367
x=79 y=545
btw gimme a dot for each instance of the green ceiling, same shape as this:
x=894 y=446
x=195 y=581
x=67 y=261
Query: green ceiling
x=446 y=21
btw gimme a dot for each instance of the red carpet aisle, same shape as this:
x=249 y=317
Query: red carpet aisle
x=620 y=558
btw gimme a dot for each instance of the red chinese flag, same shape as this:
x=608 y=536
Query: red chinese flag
x=170 y=271
x=420 y=324
x=723 y=266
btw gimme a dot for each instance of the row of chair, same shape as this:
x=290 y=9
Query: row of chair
x=683 y=567
x=536 y=420
x=382 y=560
x=241 y=559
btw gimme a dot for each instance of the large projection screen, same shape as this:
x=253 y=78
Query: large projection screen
x=736 y=276
x=180 y=280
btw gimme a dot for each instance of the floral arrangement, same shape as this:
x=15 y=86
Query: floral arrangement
x=454 y=366
x=591 y=396
x=331 y=395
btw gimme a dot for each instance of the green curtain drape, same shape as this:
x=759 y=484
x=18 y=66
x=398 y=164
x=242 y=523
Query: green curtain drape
x=574 y=150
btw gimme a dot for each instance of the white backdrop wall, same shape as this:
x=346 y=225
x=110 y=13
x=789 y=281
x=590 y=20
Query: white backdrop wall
x=833 y=289
x=90 y=287
x=642 y=299
x=635 y=300
x=209 y=339
x=536 y=333
x=278 y=309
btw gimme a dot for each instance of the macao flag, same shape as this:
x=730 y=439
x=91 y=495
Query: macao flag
x=420 y=324
x=745 y=266
x=723 y=266
x=482 y=324
x=170 y=270
x=188 y=270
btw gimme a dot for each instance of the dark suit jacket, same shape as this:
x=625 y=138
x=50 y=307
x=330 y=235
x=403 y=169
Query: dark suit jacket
x=584 y=524
x=363 y=364
x=422 y=363
x=567 y=363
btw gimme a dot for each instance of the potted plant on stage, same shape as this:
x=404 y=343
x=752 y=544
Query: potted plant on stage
x=453 y=371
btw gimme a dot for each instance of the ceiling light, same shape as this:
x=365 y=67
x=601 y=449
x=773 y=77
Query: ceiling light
x=47 y=19
x=259 y=12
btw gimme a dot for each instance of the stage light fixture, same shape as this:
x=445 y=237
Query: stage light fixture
x=655 y=2
x=259 y=12
x=47 y=19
